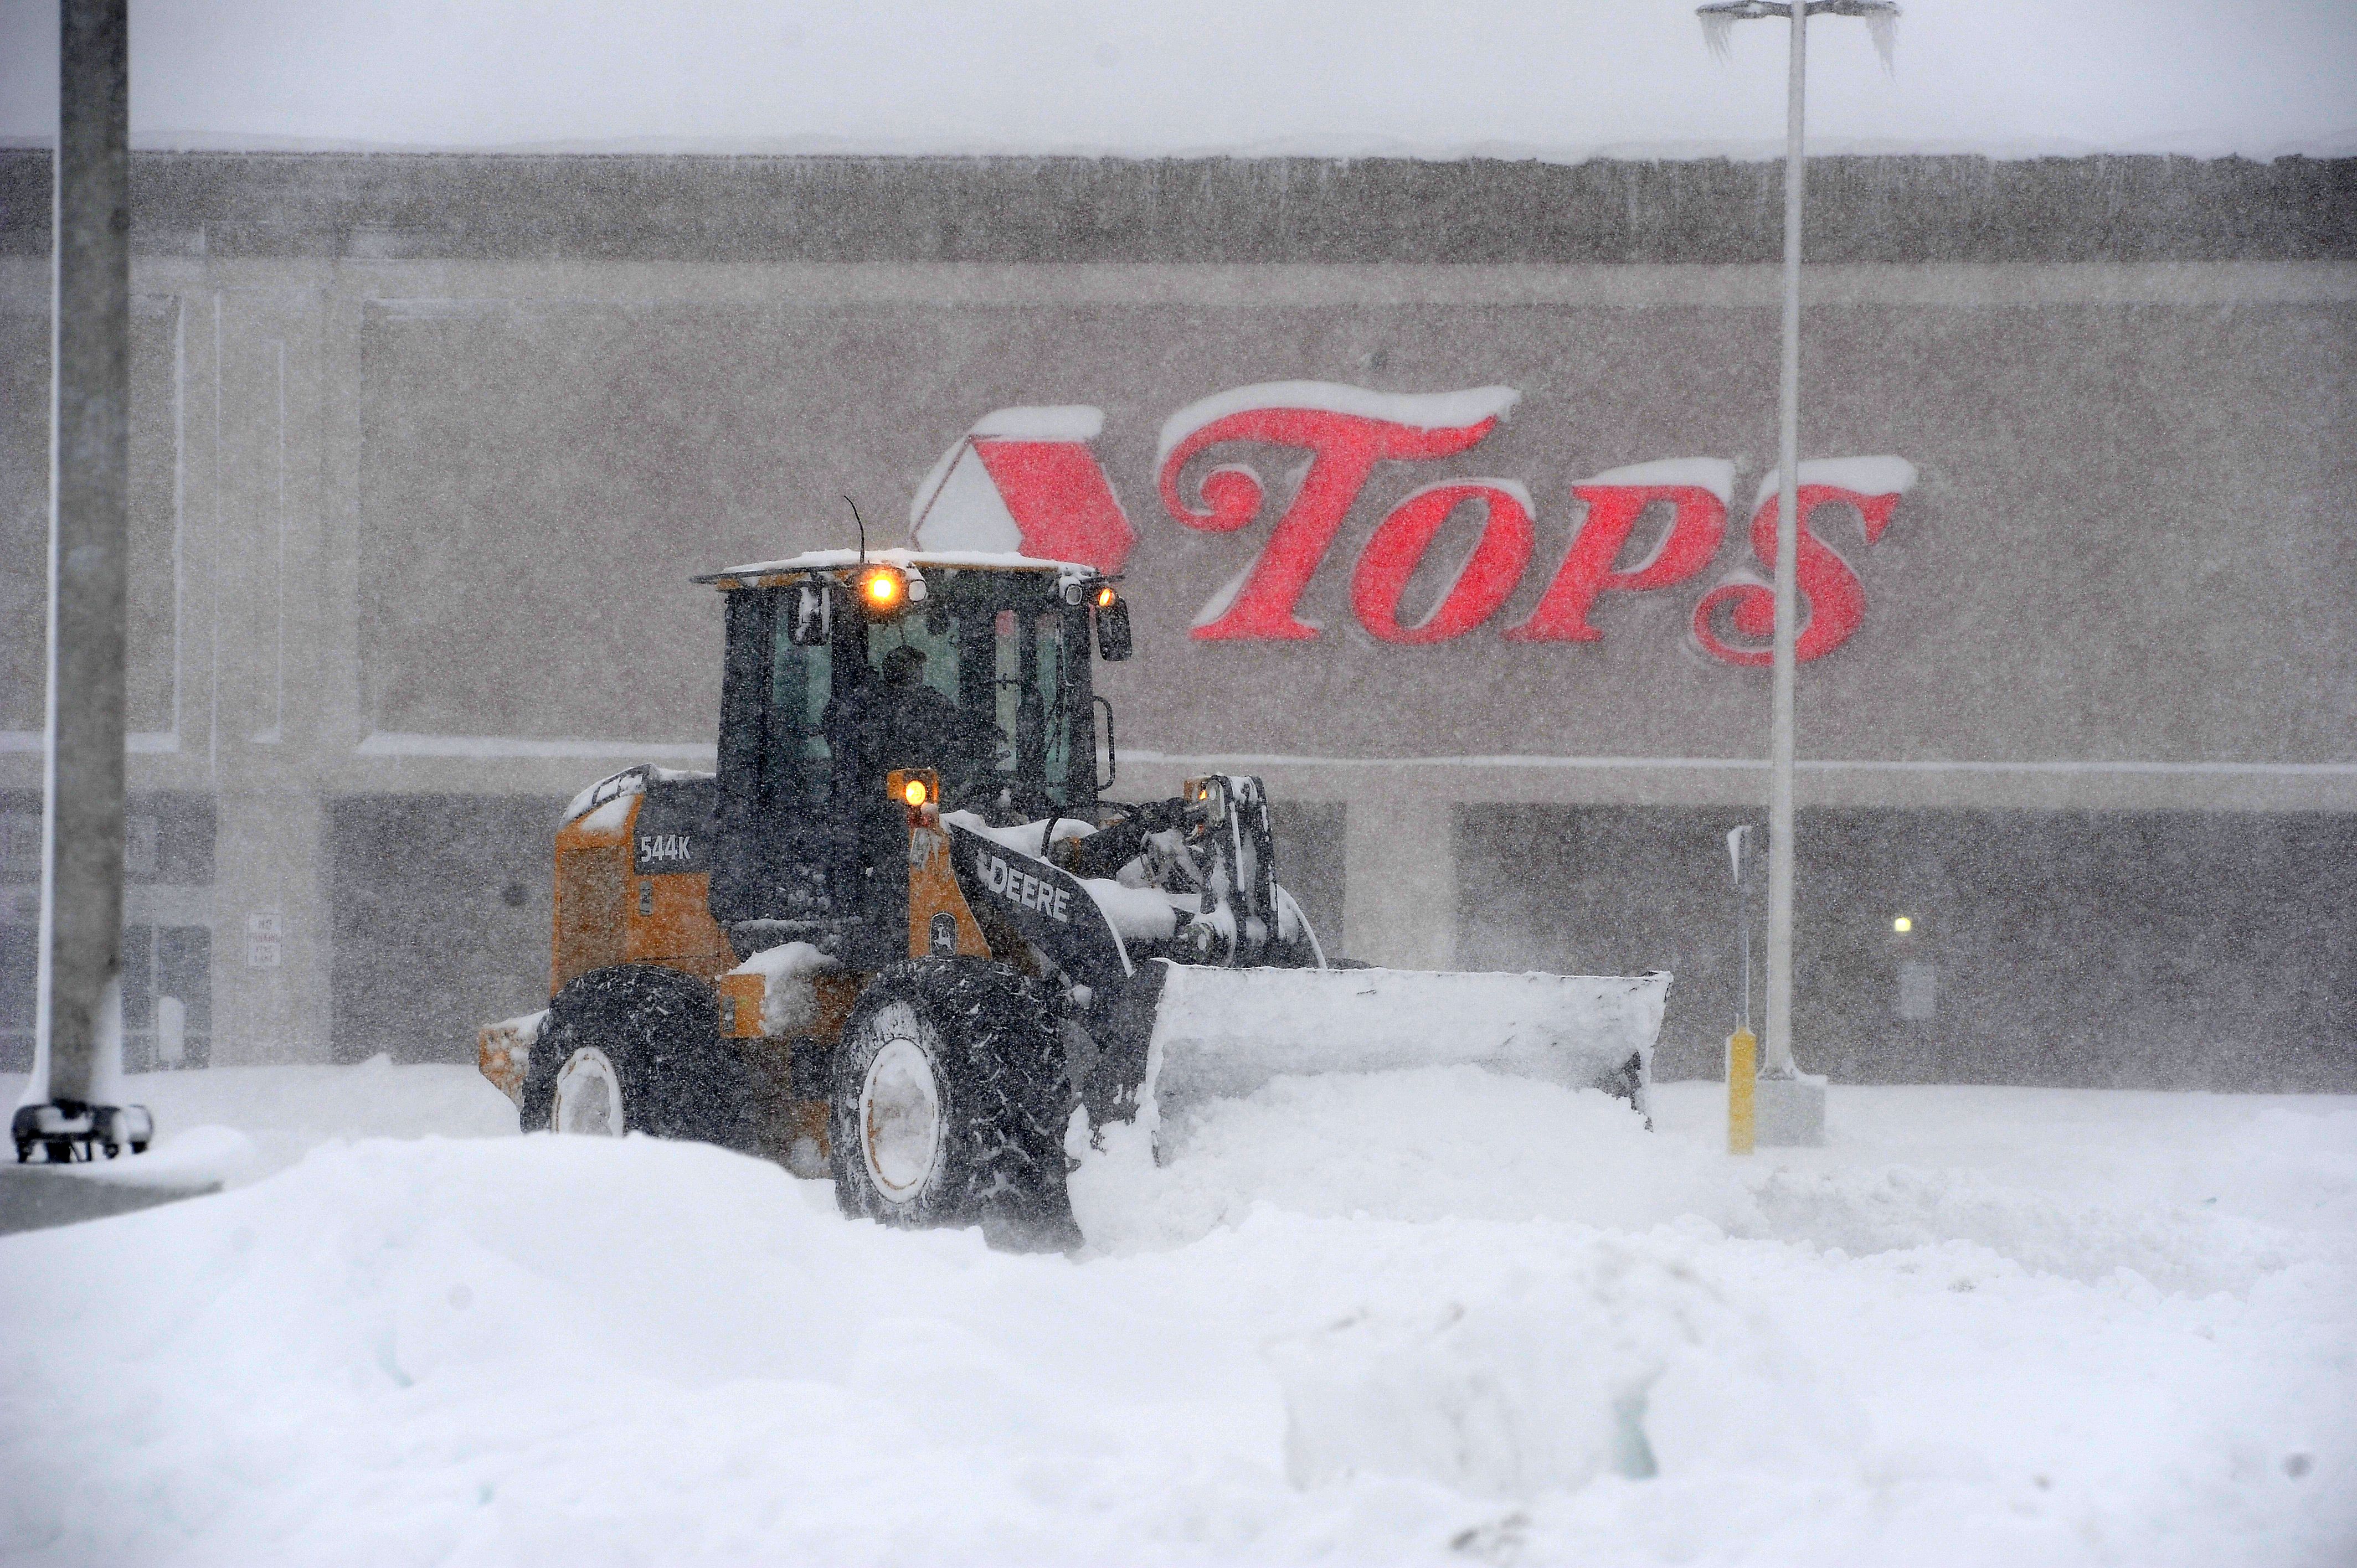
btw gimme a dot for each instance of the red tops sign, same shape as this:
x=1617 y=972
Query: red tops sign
x=1028 y=480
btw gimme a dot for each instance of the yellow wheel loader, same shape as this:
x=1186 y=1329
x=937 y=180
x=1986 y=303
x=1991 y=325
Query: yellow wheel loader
x=901 y=937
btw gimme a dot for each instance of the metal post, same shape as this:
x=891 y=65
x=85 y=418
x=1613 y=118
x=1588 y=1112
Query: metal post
x=1788 y=549
x=1743 y=919
x=1742 y=1065
x=80 y=1006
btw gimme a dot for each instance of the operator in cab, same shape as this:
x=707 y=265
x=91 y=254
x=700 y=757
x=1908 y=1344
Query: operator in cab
x=896 y=720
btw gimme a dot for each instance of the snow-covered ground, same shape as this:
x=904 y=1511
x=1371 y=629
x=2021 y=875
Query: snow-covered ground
x=1429 y=1315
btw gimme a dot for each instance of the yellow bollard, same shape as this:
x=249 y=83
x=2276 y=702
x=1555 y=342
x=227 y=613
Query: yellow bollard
x=1742 y=1072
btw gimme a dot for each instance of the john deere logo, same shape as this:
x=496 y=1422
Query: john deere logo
x=944 y=933
x=1023 y=890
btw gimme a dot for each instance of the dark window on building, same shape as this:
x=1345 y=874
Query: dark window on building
x=1308 y=839
x=2159 y=949
x=167 y=844
x=440 y=911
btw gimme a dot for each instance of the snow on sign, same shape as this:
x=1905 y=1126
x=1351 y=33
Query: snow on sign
x=1028 y=480
x=1025 y=479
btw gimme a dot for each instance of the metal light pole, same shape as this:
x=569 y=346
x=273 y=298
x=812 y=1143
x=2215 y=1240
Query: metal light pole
x=81 y=1001
x=1718 y=20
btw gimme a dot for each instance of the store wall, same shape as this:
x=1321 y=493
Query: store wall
x=425 y=448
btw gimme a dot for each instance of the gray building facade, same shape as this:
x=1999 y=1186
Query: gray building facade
x=425 y=448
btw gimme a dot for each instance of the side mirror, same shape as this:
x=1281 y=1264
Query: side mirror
x=1112 y=632
x=813 y=616
x=1112 y=768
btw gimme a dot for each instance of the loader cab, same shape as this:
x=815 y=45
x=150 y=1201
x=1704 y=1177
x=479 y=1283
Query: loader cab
x=839 y=671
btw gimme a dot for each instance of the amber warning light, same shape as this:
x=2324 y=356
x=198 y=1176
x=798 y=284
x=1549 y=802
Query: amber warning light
x=882 y=588
x=913 y=791
x=1104 y=598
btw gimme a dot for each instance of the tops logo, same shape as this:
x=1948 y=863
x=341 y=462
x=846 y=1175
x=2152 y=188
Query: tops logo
x=1027 y=478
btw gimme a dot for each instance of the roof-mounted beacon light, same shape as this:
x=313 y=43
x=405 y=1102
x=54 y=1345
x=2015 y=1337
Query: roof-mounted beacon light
x=883 y=591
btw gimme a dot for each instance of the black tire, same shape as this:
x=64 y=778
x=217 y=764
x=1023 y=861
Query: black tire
x=653 y=1036
x=964 y=1057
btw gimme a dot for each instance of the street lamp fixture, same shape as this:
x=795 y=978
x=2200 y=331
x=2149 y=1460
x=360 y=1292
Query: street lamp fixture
x=1718 y=22
x=1881 y=18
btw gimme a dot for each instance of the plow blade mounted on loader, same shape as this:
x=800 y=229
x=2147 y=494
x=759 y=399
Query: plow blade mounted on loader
x=1222 y=1033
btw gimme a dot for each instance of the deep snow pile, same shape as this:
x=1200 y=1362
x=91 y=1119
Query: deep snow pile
x=1426 y=1316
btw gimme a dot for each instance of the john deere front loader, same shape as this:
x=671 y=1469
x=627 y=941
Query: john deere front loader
x=902 y=937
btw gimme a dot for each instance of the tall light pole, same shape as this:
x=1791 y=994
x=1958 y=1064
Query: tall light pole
x=80 y=1006
x=1717 y=21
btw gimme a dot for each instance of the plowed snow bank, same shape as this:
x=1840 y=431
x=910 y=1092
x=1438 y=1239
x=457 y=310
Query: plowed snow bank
x=1400 y=1317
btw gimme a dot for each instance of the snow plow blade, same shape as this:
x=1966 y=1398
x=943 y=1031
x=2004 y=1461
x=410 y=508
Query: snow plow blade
x=1222 y=1033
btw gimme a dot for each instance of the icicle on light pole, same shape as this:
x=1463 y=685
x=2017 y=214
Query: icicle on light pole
x=80 y=1010
x=1718 y=22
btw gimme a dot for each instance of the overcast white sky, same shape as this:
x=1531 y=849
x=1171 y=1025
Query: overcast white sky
x=1553 y=78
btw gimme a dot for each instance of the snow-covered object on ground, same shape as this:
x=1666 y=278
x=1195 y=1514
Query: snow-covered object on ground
x=1223 y=1033
x=1400 y=1317
x=242 y=1123
x=789 y=1001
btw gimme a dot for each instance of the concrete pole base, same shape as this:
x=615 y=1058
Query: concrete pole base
x=1789 y=1113
x=35 y=1198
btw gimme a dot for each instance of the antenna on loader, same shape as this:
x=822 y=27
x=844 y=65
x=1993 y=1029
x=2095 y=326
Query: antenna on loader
x=863 y=528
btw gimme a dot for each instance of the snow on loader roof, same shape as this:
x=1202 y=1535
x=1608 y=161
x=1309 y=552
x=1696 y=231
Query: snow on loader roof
x=905 y=560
